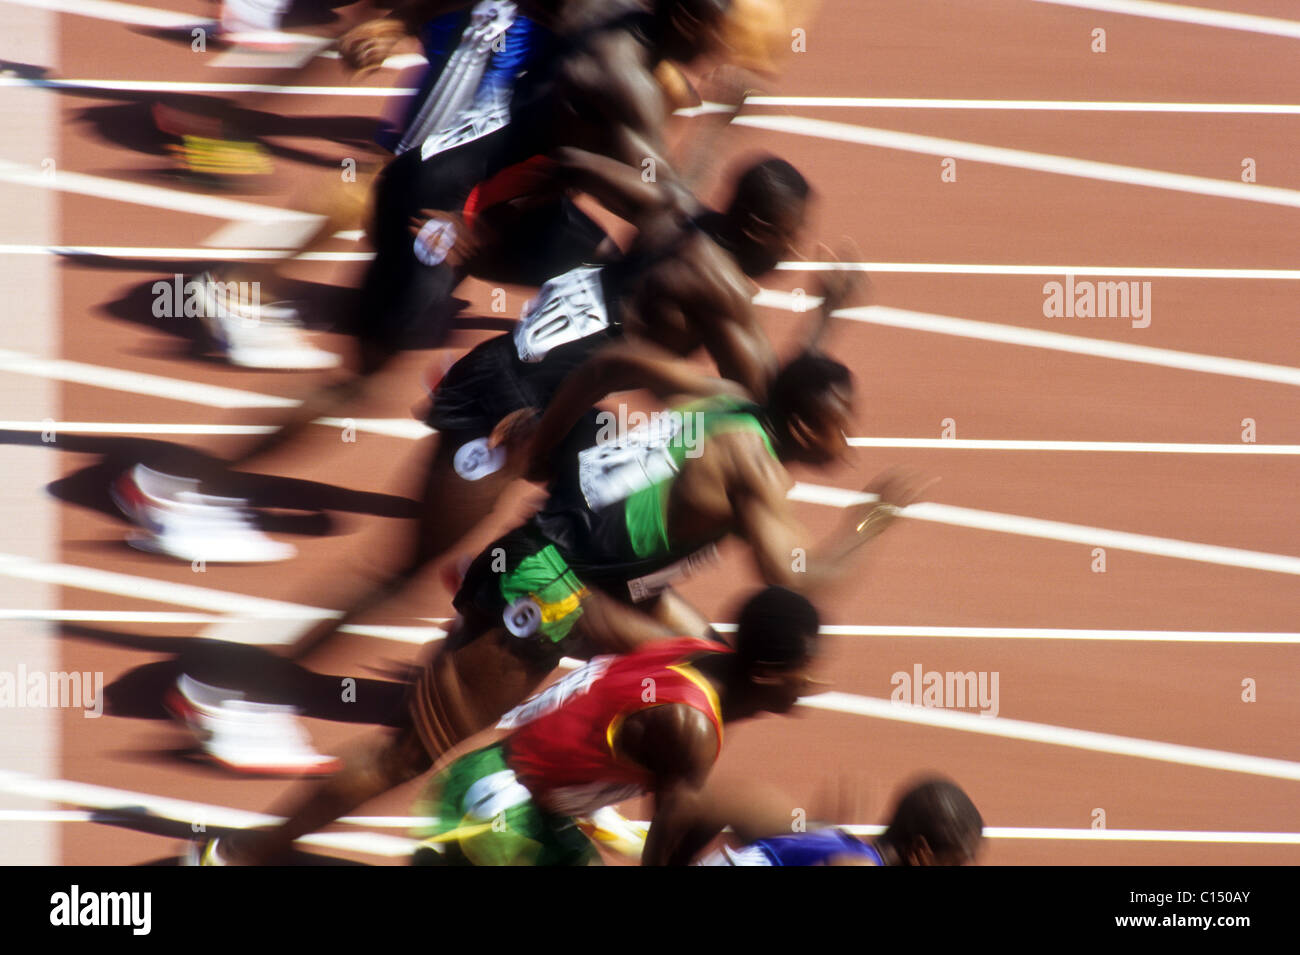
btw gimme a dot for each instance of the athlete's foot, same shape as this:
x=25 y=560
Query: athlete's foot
x=247 y=737
x=253 y=335
x=174 y=519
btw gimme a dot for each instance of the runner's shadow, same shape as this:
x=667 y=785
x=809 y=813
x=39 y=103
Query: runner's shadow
x=89 y=487
x=262 y=676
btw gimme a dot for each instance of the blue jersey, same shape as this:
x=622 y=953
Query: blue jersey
x=815 y=848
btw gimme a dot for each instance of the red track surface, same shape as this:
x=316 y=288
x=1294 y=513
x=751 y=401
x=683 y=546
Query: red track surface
x=896 y=208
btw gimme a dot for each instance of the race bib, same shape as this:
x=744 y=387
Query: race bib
x=475 y=460
x=557 y=694
x=568 y=307
x=615 y=470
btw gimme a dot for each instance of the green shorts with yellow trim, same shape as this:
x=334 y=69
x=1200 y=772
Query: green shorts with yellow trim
x=482 y=815
x=523 y=581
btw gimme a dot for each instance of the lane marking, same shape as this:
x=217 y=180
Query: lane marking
x=1024 y=730
x=403 y=61
x=1022 y=159
x=201 y=254
x=407 y=428
x=412 y=429
x=1031 y=105
x=1199 y=16
x=1059 y=531
x=191 y=813
x=1135 y=447
x=916 y=268
x=423 y=634
x=162 y=591
x=1036 y=338
x=172 y=86
x=140 y=383
x=175 y=200
x=954 y=268
x=1075 y=344
x=990 y=832
x=1052 y=633
x=131 y=13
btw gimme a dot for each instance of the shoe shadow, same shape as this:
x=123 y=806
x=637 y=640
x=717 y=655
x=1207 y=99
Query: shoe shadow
x=89 y=486
x=262 y=676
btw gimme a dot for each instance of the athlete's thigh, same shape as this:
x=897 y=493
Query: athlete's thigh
x=608 y=625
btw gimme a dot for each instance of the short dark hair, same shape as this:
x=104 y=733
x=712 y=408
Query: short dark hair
x=777 y=629
x=767 y=188
x=804 y=379
x=939 y=811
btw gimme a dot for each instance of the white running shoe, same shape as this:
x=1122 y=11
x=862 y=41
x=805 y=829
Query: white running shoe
x=253 y=335
x=247 y=737
x=191 y=526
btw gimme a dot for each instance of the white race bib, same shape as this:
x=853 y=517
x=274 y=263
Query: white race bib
x=568 y=307
x=615 y=470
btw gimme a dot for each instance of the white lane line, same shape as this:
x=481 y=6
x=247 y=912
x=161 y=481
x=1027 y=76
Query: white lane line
x=1024 y=730
x=906 y=268
x=131 y=13
x=1135 y=447
x=1199 y=16
x=422 y=634
x=193 y=813
x=1022 y=159
x=157 y=86
x=176 y=200
x=407 y=428
x=845 y=102
x=1036 y=338
x=138 y=382
x=957 y=268
x=414 y=430
x=990 y=832
x=1052 y=633
x=202 y=254
x=1028 y=105
x=1075 y=344
x=1059 y=531
x=162 y=591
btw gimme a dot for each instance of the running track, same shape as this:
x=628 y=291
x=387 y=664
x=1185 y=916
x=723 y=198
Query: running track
x=1118 y=691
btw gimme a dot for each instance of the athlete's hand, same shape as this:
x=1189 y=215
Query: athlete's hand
x=895 y=490
x=364 y=48
x=843 y=283
x=900 y=487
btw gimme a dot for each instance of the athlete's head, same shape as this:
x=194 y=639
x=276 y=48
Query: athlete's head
x=935 y=823
x=766 y=214
x=687 y=29
x=776 y=643
x=810 y=403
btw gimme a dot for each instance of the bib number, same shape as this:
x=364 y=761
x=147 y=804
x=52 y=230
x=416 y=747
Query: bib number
x=568 y=307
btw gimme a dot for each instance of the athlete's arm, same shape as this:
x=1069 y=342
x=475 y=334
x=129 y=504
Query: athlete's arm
x=620 y=188
x=622 y=367
x=738 y=345
x=782 y=547
x=677 y=744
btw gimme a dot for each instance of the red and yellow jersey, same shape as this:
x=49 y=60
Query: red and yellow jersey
x=565 y=744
